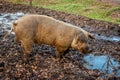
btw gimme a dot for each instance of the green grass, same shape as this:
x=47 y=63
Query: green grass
x=89 y=8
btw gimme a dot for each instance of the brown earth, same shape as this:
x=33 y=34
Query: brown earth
x=115 y=15
x=40 y=65
x=114 y=2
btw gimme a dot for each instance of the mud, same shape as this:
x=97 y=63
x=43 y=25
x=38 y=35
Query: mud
x=41 y=65
x=105 y=38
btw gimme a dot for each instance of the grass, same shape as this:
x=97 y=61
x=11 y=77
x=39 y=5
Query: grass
x=89 y=8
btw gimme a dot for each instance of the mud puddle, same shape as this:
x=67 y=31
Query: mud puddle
x=103 y=63
x=7 y=19
x=105 y=38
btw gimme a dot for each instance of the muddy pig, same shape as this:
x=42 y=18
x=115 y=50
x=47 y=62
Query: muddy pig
x=41 y=29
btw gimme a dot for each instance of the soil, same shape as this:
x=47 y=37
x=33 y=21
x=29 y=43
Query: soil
x=113 y=2
x=41 y=65
x=115 y=15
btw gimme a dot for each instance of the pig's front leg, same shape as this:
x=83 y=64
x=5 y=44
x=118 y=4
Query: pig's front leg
x=60 y=51
x=27 y=48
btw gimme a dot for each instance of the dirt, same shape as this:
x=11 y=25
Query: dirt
x=41 y=65
x=113 y=2
x=115 y=14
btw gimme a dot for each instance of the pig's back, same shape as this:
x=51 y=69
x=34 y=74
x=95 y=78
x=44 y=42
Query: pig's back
x=55 y=32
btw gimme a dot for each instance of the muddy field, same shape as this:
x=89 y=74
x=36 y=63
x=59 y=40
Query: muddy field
x=75 y=65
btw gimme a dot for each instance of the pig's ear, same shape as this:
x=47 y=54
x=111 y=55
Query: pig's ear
x=15 y=23
x=91 y=36
x=81 y=38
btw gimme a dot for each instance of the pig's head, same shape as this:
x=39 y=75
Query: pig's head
x=81 y=43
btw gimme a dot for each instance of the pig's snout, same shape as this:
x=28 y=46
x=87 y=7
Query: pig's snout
x=86 y=50
x=90 y=50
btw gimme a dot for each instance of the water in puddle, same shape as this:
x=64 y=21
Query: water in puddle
x=113 y=38
x=6 y=20
x=103 y=63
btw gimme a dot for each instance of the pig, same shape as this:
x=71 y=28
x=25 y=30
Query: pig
x=41 y=29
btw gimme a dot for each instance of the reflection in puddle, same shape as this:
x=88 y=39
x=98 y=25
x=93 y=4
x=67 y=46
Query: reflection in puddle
x=103 y=63
x=114 y=38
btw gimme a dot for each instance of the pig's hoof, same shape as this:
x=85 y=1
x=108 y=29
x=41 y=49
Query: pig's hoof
x=26 y=60
x=58 y=59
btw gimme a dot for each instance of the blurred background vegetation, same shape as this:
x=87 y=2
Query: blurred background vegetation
x=106 y=10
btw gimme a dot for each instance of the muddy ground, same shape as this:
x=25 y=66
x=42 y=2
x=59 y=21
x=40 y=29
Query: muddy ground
x=41 y=66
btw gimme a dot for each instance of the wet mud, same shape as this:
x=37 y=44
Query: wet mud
x=74 y=65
